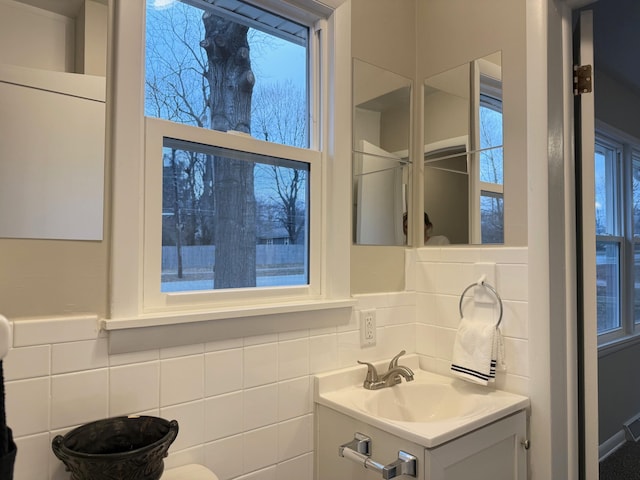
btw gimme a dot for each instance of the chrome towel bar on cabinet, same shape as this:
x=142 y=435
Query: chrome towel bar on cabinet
x=359 y=451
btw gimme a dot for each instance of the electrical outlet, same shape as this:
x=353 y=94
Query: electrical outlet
x=367 y=328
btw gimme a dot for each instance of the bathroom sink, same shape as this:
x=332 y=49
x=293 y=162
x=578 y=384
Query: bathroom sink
x=419 y=401
x=430 y=410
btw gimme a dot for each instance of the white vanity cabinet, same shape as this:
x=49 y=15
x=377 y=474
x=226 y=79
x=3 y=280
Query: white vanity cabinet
x=493 y=452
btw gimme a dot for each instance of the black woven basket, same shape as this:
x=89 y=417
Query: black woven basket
x=124 y=448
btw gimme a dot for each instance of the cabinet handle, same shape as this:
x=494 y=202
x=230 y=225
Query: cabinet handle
x=358 y=450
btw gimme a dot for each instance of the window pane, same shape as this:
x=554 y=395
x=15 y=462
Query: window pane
x=606 y=191
x=608 y=285
x=490 y=122
x=492 y=217
x=636 y=195
x=232 y=219
x=491 y=166
x=251 y=78
x=636 y=283
x=491 y=161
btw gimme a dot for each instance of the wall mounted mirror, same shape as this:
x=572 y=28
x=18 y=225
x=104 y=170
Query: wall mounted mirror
x=381 y=163
x=463 y=153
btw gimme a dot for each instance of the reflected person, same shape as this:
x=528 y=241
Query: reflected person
x=428 y=228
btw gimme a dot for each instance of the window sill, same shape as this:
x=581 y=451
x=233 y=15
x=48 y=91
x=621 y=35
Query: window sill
x=618 y=344
x=171 y=329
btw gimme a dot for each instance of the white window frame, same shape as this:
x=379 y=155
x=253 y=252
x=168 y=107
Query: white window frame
x=140 y=319
x=153 y=299
x=624 y=145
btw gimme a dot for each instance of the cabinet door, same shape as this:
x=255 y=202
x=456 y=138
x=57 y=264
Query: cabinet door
x=494 y=452
x=51 y=164
x=334 y=429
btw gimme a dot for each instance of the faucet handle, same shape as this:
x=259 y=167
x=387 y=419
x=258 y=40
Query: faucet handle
x=372 y=374
x=394 y=361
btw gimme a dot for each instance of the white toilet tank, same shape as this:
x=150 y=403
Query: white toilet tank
x=189 y=472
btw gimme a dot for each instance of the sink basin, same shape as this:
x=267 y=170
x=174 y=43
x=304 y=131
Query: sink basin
x=430 y=410
x=423 y=402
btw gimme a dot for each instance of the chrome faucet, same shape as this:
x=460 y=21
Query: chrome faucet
x=391 y=377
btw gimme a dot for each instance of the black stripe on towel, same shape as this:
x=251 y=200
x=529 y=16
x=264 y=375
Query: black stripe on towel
x=468 y=371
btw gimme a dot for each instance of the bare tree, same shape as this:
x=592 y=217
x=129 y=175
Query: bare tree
x=231 y=85
x=280 y=114
x=199 y=73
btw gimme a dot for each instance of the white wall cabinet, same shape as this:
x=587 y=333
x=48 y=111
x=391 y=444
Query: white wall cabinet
x=52 y=122
x=494 y=452
x=51 y=155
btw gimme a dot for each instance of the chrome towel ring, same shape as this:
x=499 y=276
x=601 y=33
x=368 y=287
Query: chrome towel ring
x=484 y=284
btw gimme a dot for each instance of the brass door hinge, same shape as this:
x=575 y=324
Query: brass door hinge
x=582 y=79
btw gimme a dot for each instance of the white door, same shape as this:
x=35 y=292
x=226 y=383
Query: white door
x=587 y=313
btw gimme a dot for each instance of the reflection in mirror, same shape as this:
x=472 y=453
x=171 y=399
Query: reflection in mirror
x=381 y=126
x=463 y=152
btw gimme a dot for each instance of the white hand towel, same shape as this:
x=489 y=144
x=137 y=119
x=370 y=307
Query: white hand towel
x=476 y=351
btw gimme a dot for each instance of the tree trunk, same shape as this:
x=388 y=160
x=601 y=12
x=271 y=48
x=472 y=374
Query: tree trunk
x=177 y=213
x=231 y=82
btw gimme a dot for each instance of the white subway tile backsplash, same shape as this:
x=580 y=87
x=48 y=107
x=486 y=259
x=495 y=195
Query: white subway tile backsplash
x=33 y=459
x=223 y=415
x=225 y=457
x=349 y=351
x=396 y=338
x=260 y=406
x=517 y=356
x=77 y=356
x=444 y=338
x=455 y=277
x=190 y=418
x=134 y=357
x=260 y=339
x=516 y=320
x=181 y=351
x=512 y=282
x=296 y=468
x=181 y=380
x=322 y=331
x=295 y=398
x=260 y=364
x=134 y=388
x=43 y=331
x=426 y=340
x=187 y=456
x=223 y=371
x=224 y=344
x=77 y=398
x=293 y=358
x=293 y=335
x=323 y=353
x=295 y=437
x=27 y=362
x=260 y=448
x=268 y=473
x=27 y=405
